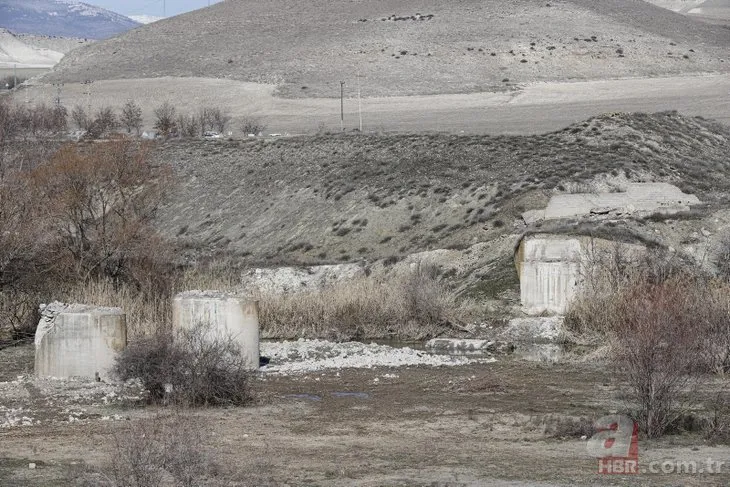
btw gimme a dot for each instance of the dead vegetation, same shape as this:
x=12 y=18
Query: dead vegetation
x=168 y=446
x=82 y=215
x=666 y=324
x=413 y=306
x=188 y=368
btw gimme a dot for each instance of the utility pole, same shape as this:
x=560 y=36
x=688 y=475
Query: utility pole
x=59 y=88
x=87 y=92
x=15 y=76
x=342 y=106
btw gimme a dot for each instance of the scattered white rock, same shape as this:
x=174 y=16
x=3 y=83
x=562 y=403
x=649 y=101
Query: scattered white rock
x=303 y=356
x=534 y=329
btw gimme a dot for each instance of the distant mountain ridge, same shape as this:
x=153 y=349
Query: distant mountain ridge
x=62 y=18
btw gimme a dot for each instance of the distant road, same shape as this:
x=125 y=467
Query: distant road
x=532 y=108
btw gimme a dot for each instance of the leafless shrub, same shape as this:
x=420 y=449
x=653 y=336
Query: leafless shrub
x=723 y=258
x=668 y=326
x=81 y=119
x=101 y=203
x=250 y=125
x=131 y=117
x=150 y=452
x=192 y=367
x=716 y=427
x=218 y=120
x=658 y=348
x=104 y=122
x=567 y=427
x=165 y=119
x=188 y=125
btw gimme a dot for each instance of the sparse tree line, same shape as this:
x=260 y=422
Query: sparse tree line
x=19 y=121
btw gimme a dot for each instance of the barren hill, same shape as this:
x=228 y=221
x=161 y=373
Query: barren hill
x=337 y=198
x=34 y=51
x=62 y=18
x=408 y=47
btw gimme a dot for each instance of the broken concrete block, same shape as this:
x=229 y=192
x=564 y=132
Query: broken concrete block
x=228 y=315
x=76 y=340
x=551 y=268
x=534 y=329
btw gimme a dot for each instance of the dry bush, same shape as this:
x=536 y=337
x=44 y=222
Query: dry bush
x=103 y=124
x=412 y=306
x=212 y=118
x=658 y=349
x=147 y=312
x=165 y=119
x=81 y=119
x=166 y=449
x=668 y=325
x=20 y=121
x=102 y=203
x=253 y=126
x=131 y=117
x=716 y=427
x=187 y=126
x=569 y=427
x=190 y=367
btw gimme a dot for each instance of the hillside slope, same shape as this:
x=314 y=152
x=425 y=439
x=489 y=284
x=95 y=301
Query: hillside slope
x=346 y=197
x=15 y=51
x=62 y=18
x=408 y=47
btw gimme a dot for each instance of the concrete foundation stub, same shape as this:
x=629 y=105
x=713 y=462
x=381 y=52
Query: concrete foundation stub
x=76 y=340
x=228 y=315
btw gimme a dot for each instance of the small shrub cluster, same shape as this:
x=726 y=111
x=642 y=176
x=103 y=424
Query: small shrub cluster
x=195 y=367
x=151 y=452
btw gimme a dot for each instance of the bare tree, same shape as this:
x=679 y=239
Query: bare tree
x=106 y=120
x=131 y=118
x=218 y=120
x=102 y=203
x=250 y=125
x=165 y=119
x=80 y=117
x=187 y=125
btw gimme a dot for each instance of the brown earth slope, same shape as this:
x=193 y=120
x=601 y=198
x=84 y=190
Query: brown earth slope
x=408 y=47
x=336 y=198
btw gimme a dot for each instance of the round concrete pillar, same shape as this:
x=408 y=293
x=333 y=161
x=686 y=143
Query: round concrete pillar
x=226 y=314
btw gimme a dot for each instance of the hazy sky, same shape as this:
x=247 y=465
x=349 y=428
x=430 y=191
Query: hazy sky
x=150 y=7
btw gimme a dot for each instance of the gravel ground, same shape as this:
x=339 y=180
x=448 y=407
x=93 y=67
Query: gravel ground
x=304 y=356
